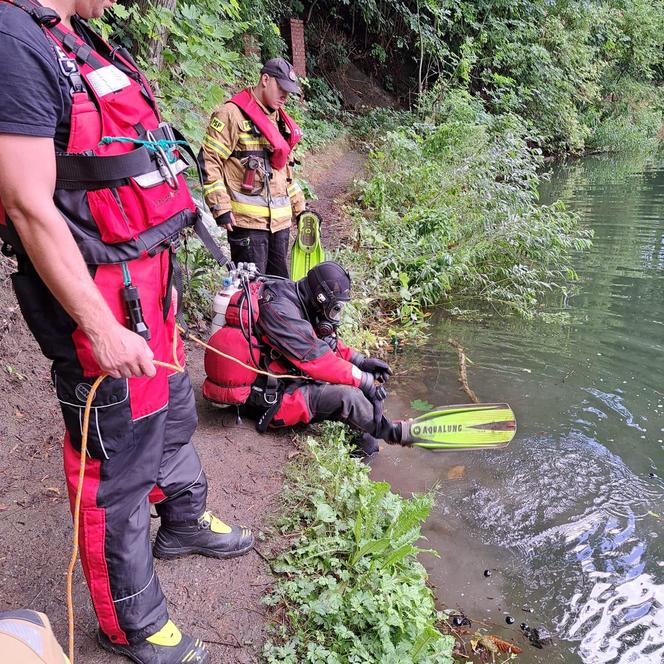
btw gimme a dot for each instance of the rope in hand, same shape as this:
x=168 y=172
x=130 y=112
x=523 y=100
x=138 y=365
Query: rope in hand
x=178 y=368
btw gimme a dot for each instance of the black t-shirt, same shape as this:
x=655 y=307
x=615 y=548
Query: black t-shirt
x=34 y=97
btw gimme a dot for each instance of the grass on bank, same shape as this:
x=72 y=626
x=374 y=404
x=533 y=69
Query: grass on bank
x=350 y=588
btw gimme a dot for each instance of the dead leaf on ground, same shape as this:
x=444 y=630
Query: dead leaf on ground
x=505 y=646
x=456 y=473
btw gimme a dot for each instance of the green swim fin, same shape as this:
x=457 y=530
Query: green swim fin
x=307 y=250
x=464 y=427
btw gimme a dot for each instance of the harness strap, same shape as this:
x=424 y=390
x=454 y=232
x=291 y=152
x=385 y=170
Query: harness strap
x=176 y=279
x=266 y=418
x=242 y=154
x=95 y=172
x=44 y=16
x=208 y=241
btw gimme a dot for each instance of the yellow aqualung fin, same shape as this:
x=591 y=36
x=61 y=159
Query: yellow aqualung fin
x=464 y=427
x=307 y=250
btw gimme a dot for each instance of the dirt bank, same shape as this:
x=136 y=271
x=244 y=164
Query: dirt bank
x=219 y=601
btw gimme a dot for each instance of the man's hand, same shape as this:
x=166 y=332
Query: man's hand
x=122 y=353
x=379 y=368
x=227 y=220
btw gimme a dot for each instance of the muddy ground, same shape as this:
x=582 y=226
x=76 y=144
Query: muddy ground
x=218 y=601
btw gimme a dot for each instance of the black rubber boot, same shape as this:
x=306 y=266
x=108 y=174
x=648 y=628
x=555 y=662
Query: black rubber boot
x=167 y=646
x=209 y=537
x=365 y=446
x=390 y=432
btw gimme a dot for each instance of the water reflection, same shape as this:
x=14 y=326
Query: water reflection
x=571 y=515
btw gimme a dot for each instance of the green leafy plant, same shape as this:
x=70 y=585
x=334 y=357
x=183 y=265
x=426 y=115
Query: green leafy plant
x=351 y=588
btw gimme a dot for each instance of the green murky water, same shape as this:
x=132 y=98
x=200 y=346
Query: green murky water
x=570 y=518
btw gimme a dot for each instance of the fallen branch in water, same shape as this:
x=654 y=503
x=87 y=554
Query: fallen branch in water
x=463 y=374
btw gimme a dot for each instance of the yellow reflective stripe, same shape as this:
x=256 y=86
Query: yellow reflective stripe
x=260 y=210
x=213 y=186
x=252 y=142
x=294 y=189
x=216 y=146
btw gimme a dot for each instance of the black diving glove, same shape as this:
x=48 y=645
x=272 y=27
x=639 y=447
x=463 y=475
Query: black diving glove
x=225 y=220
x=372 y=390
x=332 y=341
x=379 y=368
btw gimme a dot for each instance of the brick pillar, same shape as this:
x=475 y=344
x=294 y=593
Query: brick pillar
x=298 y=53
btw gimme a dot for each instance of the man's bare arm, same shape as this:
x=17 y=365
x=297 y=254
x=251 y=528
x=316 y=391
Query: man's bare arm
x=27 y=182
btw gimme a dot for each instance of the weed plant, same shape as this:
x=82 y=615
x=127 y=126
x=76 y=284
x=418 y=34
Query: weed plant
x=350 y=588
x=450 y=214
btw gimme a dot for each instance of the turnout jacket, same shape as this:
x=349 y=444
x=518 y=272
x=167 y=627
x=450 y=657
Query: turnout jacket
x=274 y=199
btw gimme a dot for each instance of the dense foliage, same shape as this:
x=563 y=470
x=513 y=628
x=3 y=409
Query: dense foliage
x=194 y=53
x=450 y=213
x=582 y=74
x=351 y=589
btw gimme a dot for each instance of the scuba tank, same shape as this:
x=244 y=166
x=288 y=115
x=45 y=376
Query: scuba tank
x=230 y=286
x=220 y=304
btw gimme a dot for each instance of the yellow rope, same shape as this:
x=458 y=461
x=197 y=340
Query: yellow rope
x=177 y=367
x=241 y=363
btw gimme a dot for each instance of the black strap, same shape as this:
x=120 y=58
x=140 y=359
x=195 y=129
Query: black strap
x=208 y=241
x=175 y=279
x=44 y=16
x=266 y=418
x=78 y=47
x=186 y=147
x=91 y=171
x=242 y=154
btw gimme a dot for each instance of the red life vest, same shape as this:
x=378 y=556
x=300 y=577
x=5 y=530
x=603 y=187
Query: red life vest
x=120 y=199
x=282 y=146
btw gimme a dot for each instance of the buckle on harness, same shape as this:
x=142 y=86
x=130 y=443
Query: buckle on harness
x=71 y=71
x=46 y=16
x=166 y=168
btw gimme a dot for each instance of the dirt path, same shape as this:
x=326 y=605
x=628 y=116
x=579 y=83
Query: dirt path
x=331 y=174
x=219 y=601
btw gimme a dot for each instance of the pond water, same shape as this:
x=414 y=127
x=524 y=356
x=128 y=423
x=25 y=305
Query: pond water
x=570 y=517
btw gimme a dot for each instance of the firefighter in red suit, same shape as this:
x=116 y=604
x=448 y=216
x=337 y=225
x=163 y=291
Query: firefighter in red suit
x=281 y=326
x=94 y=225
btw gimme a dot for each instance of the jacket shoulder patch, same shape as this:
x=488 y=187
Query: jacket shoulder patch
x=246 y=125
x=217 y=124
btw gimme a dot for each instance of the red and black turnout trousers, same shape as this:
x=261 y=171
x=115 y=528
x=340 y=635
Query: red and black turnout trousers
x=125 y=205
x=139 y=446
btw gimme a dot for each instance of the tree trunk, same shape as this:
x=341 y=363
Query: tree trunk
x=152 y=51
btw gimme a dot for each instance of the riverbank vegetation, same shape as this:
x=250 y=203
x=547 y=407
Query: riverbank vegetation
x=450 y=214
x=351 y=588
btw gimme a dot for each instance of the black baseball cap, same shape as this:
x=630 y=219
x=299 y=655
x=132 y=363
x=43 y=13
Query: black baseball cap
x=283 y=71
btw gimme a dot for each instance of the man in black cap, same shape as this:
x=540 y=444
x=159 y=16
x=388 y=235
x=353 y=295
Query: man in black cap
x=247 y=162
